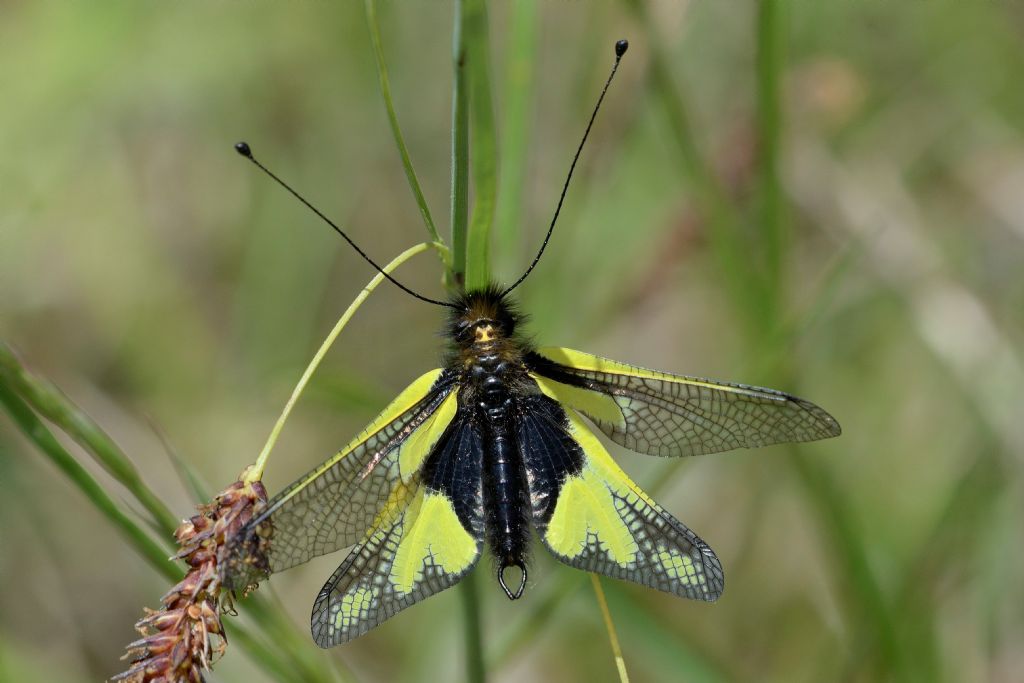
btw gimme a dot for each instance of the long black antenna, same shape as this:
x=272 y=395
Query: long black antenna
x=246 y=151
x=620 y=49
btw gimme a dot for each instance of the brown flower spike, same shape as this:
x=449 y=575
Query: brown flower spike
x=182 y=639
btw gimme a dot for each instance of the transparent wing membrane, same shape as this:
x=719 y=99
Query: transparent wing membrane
x=670 y=415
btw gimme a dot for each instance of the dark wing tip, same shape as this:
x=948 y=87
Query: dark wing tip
x=826 y=426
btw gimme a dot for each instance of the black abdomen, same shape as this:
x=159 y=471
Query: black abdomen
x=506 y=495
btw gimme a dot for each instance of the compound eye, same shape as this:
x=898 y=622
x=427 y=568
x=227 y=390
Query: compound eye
x=464 y=332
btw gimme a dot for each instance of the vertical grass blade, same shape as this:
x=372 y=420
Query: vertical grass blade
x=475 y=670
x=396 y=130
x=460 y=150
x=863 y=591
x=483 y=144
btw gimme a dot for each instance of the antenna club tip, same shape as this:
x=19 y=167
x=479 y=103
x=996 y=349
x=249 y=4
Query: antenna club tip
x=620 y=47
x=243 y=149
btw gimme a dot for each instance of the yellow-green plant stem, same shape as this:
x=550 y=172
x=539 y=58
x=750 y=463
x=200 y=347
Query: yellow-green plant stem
x=255 y=473
x=613 y=638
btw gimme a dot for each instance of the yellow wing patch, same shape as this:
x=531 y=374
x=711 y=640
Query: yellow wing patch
x=431 y=533
x=605 y=523
x=415 y=449
x=585 y=514
x=417 y=547
x=597 y=405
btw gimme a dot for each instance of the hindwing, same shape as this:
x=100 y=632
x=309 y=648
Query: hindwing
x=592 y=516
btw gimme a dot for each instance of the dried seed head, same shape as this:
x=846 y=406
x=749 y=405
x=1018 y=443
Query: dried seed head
x=182 y=639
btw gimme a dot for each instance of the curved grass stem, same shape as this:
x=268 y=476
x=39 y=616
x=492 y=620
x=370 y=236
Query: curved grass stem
x=255 y=473
x=47 y=400
x=44 y=439
x=396 y=130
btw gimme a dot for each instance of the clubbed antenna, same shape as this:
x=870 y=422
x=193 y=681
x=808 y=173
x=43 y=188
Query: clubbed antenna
x=246 y=151
x=620 y=49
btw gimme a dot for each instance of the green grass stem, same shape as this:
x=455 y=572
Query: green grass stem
x=483 y=166
x=34 y=429
x=469 y=16
x=460 y=149
x=49 y=402
x=396 y=130
x=156 y=554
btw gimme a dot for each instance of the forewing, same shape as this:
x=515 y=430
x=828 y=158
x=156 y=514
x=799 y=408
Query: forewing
x=424 y=540
x=591 y=516
x=332 y=506
x=670 y=415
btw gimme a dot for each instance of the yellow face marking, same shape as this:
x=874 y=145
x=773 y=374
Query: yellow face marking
x=595 y=404
x=586 y=361
x=415 y=449
x=483 y=333
x=432 y=531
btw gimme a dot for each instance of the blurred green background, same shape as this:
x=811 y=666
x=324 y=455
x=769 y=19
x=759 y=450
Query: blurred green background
x=823 y=197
